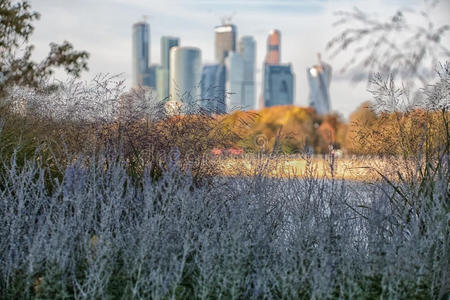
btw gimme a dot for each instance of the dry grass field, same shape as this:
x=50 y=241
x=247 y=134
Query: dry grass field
x=354 y=168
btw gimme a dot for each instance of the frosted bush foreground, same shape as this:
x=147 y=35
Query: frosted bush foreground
x=98 y=232
x=101 y=234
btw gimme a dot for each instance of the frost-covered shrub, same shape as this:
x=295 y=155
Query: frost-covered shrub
x=98 y=231
x=103 y=234
x=86 y=118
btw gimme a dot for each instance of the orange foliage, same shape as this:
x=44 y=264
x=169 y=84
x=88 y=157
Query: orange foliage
x=404 y=133
x=286 y=129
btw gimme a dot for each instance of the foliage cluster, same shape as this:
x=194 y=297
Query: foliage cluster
x=395 y=133
x=79 y=119
x=286 y=129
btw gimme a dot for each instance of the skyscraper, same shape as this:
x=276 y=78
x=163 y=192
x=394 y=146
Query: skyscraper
x=185 y=75
x=235 y=80
x=213 y=88
x=225 y=41
x=163 y=73
x=319 y=78
x=247 y=49
x=278 y=79
x=167 y=42
x=278 y=85
x=273 y=56
x=162 y=83
x=141 y=53
x=150 y=77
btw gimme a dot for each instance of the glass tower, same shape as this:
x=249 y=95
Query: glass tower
x=278 y=79
x=185 y=75
x=162 y=83
x=235 y=76
x=247 y=49
x=167 y=42
x=278 y=85
x=141 y=54
x=319 y=78
x=163 y=73
x=213 y=88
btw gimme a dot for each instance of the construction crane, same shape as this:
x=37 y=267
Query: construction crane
x=226 y=19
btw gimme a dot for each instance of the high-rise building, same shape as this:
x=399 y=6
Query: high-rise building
x=235 y=80
x=278 y=79
x=162 y=83
x=163 y=73
x=150 y=77
x=273 y=56
x=319 y=78
x=278 y=85
x=213 y=88
x=141 y=53
x=185 y=75
x=247 y=49
x=167 y=42
x=225 y=41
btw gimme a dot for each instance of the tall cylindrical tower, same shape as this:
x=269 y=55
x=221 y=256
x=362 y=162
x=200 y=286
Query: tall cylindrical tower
x=185 y=74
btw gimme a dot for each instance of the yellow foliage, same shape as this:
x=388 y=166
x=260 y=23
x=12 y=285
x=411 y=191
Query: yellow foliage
x=395 y=133
x=286 y=129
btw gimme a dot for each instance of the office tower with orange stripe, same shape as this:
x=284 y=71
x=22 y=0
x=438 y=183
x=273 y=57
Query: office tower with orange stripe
x=278 y=79
x=273 y=56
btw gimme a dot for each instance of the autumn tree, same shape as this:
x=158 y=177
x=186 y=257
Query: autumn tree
x=358 y=139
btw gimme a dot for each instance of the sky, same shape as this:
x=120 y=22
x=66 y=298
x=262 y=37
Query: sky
x=103 y=28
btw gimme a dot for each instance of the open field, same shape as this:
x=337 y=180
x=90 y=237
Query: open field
x=346 y=168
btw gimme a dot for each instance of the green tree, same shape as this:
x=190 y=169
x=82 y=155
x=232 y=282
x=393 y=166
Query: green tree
x=16 y=66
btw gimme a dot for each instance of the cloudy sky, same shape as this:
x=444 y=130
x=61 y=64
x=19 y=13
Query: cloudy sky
x=103 y=28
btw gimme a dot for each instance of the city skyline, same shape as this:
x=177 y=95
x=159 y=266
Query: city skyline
x=107 y=36
x=174 y=78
